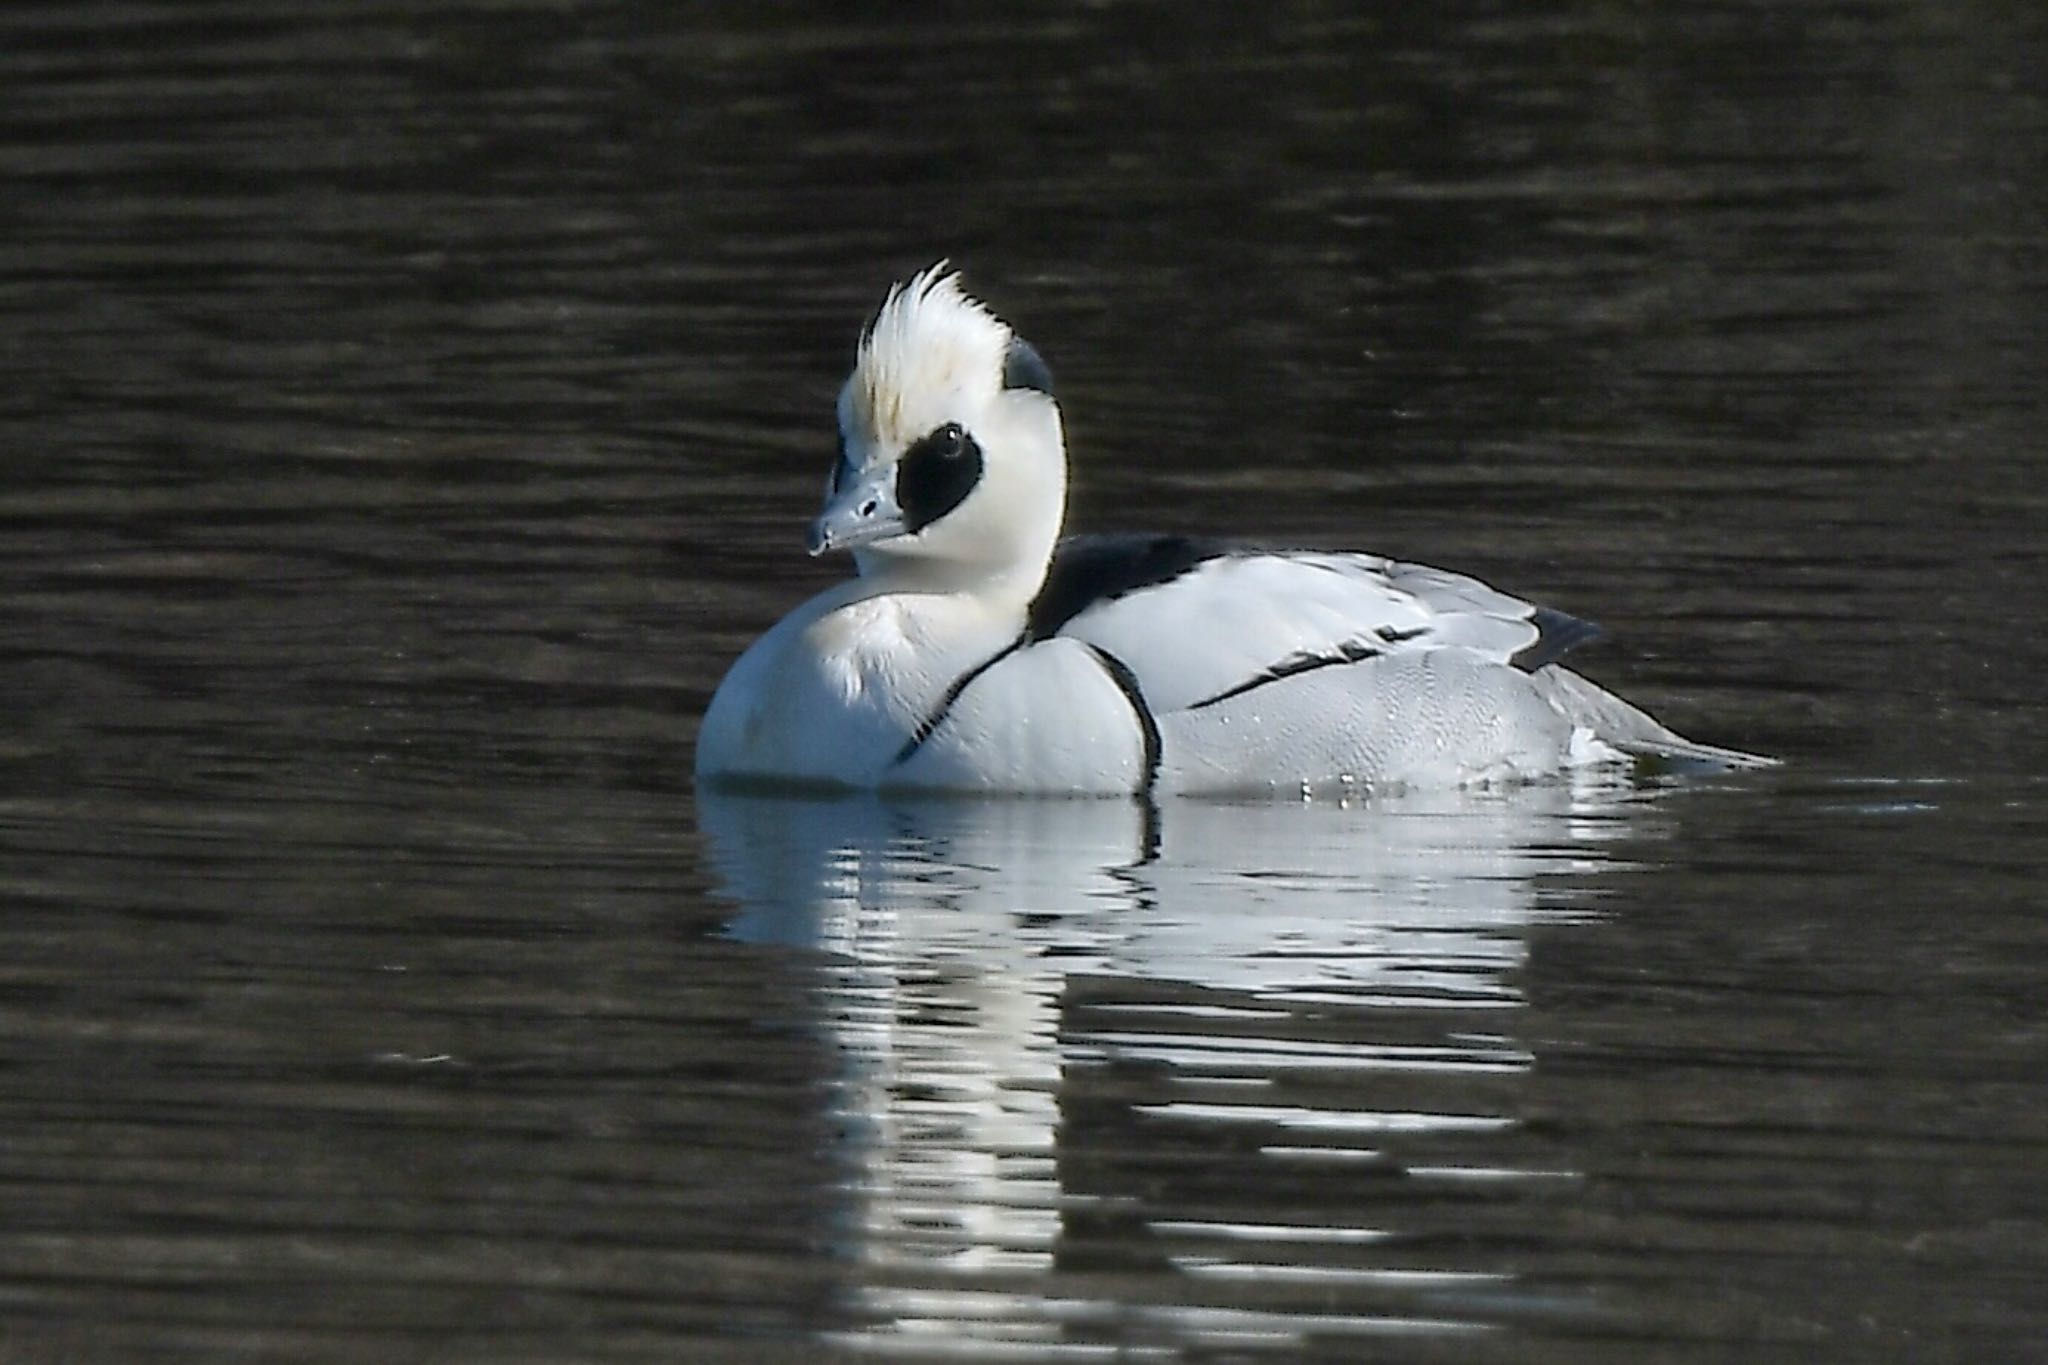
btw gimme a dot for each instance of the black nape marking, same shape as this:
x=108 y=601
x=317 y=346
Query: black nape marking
x=1557 y=634
x=936 y=475
x=1148 y=726
x=1348 y=652
x=929 y=726
x=1025 y=368
x=1086 y=570
x=1394 y=635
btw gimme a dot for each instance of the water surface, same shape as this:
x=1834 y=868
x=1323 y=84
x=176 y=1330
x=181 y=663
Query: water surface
x=408 y=414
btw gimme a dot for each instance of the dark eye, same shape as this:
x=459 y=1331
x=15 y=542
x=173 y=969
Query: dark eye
x=936 y=474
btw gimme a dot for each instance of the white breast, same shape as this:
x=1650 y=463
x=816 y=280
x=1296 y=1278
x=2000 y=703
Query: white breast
x=865 y=692
x=833 y=691
x=1047 y=718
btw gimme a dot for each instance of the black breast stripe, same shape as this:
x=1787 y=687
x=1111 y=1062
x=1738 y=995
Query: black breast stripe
x=1127 y=683
x=930 y=724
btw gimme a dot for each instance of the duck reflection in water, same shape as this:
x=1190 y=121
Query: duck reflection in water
x=1197 y=1039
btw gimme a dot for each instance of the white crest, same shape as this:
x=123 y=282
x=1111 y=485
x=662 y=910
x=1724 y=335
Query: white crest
x=931 y=350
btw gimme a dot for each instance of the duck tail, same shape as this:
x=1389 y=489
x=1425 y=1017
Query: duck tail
x=1609 y=720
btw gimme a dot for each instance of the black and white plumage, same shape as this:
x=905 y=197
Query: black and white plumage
x=976 y=651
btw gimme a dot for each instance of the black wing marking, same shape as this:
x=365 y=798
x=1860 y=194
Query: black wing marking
x=1090 y=569
x=1557 y=634
x=1346 y=652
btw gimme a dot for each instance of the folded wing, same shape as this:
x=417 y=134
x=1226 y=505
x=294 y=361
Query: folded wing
x=1197 y=622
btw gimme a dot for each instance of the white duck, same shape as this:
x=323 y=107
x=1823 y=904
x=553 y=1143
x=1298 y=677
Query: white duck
x=976 y=651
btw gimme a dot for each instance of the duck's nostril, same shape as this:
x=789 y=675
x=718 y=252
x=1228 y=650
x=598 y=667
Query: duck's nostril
x=867 y=509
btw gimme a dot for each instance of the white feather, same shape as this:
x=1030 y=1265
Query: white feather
x=929 y=349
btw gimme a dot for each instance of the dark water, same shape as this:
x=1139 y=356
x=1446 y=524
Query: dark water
x=407 y=412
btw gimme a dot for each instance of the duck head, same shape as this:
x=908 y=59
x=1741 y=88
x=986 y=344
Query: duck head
x=952 y=467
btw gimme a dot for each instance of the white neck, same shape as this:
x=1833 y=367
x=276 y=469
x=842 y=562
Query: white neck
x=1010 y=575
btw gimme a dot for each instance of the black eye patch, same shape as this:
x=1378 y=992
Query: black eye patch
x=936 y=475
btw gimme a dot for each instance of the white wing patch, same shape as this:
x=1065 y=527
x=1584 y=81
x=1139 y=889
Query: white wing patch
x=1240 y=620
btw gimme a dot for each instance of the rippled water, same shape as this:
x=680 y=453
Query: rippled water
x=409 y=411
